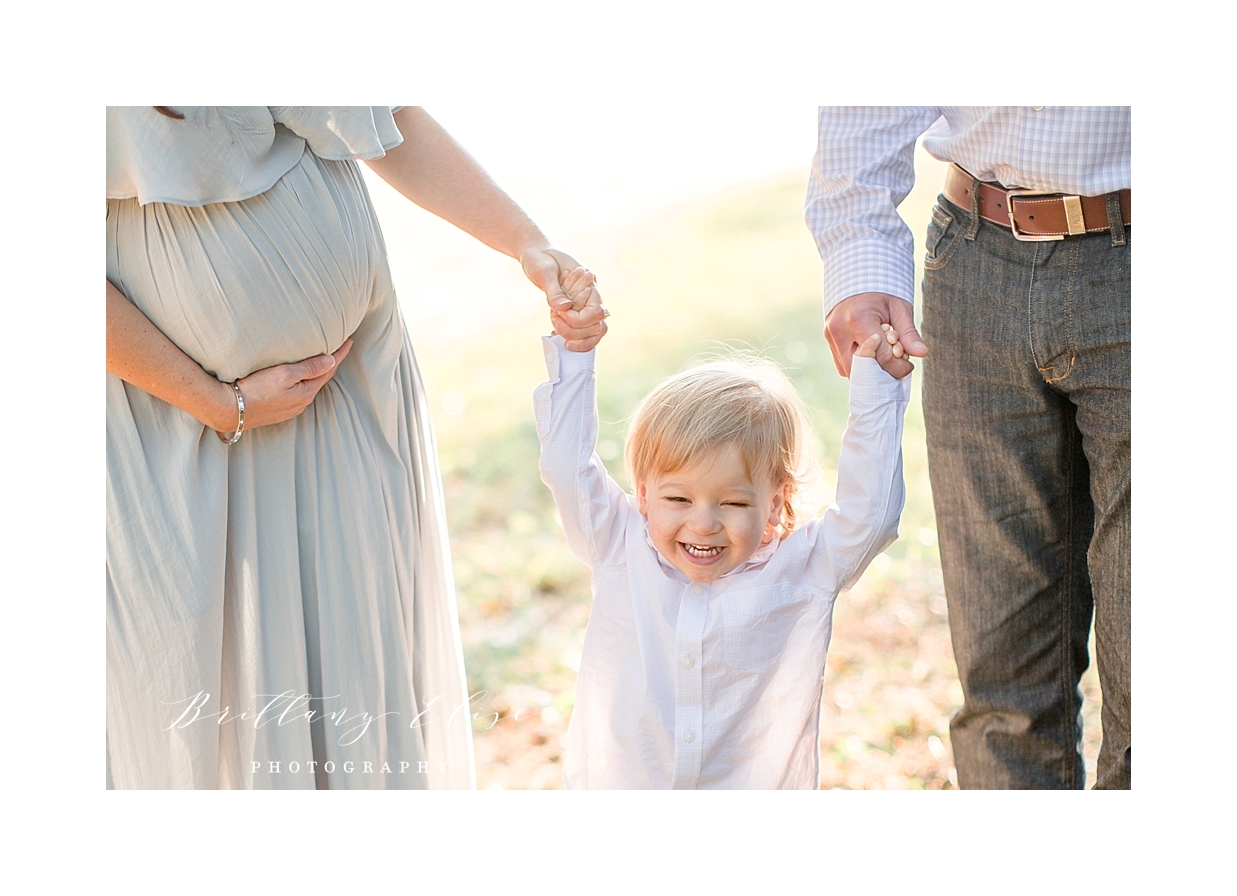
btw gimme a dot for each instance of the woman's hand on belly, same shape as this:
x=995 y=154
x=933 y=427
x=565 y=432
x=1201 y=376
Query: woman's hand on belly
x=279 y=393
x=140 y=354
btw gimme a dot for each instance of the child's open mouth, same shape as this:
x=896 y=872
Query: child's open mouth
x=700 y=552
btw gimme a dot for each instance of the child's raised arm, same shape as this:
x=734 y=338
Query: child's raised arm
x=863 y=520
x=593 y=508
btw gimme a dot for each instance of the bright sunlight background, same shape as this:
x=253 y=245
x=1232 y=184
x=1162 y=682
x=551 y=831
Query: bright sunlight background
x=692 y=218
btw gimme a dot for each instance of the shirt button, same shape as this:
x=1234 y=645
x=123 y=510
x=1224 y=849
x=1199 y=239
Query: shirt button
x=689 y=735
x=696 y=589
x=688 y=662
x=1038 y=108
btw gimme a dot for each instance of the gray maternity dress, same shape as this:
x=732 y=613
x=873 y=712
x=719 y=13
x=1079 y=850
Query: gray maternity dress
x=280 y=613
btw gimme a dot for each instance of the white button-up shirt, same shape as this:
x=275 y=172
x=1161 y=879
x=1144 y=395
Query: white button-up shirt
x=690 y=685
x=864 y=167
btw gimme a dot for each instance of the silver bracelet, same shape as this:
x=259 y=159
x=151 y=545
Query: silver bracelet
x=240 y=424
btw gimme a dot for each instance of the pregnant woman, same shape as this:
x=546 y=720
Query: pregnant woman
x=280 y=610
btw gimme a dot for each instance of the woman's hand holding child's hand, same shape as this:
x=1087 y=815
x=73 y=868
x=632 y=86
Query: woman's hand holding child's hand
x=580 y=286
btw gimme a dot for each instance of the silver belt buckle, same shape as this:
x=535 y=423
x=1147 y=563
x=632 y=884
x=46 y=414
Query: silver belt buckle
x=1037 y=237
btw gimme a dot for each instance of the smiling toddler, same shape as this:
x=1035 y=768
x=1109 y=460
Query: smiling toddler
x=704 y=657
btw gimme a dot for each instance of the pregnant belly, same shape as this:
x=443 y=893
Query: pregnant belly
x=239 y=286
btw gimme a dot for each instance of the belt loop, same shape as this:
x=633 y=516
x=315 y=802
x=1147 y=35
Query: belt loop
x=1115 y=225
x=974 y=228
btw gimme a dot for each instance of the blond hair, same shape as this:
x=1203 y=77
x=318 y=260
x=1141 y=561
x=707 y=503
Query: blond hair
x=745 y=401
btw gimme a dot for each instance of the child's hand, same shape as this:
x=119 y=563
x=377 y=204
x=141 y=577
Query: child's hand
x=579 y=285
x=575 y=282
x=894 y=340
x=868 y=349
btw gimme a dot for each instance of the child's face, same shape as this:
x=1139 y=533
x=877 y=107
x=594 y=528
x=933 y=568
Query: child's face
x=709 y=518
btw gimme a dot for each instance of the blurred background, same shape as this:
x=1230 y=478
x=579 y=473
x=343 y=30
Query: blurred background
x=692 y=217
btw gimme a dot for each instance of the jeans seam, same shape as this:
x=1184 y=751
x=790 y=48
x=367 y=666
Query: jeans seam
x=1071 y=271
x=1030 y=314
x=1068 y=720
x=1057 y=379
x=938 y=262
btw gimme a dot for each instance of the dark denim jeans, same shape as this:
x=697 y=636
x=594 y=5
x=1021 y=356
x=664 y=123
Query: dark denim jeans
x=1026 y=401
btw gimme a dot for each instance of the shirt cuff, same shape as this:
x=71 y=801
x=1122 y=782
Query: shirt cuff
x=561 y=361
x=860 y=266
x=869 y=383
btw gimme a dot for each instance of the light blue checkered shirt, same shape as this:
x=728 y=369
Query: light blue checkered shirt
x=864 y=167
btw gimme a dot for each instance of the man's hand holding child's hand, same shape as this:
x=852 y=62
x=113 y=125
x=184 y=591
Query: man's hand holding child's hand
x=868 y=348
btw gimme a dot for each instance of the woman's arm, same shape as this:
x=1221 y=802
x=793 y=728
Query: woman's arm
x=436 y=173
x=139 y=353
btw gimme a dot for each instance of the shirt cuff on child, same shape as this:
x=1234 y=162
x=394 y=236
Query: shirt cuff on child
x=561 y=361
x=870 y=383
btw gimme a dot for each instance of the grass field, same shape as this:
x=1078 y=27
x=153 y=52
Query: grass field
x=738 y=270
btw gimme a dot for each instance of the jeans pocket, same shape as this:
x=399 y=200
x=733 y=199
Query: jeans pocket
x=942 y=239
x=758 y=622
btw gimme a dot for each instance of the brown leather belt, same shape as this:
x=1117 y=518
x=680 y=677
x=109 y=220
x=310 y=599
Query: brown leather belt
x=1034 y=214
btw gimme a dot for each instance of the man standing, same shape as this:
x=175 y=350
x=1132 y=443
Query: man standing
x=1026 y=399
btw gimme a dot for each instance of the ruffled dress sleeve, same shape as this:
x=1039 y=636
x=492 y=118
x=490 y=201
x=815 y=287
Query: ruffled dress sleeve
x=230 y=153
